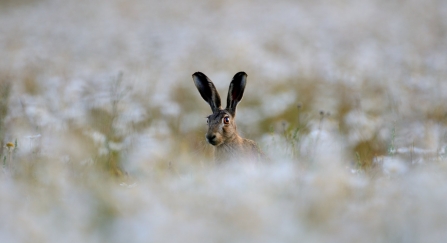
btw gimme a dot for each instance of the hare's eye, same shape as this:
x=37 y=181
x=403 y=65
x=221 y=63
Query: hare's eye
x=207 y=120
x=226 y=120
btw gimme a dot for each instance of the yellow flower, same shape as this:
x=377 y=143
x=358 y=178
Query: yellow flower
x=10 y=146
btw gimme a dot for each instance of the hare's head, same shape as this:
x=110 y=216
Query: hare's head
x=221 y=124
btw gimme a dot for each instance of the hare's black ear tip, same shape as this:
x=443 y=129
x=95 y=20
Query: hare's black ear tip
x=197 y=74
x=240 y=74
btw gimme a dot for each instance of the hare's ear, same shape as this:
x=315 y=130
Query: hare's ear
x=236 y=91
x=207 y=90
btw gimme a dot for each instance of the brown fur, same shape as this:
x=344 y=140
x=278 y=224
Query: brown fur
x=241 y=148
x=229 y=144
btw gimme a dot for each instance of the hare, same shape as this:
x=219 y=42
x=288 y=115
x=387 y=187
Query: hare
x=222 y=132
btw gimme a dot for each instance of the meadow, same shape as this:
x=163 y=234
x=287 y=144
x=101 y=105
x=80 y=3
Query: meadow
x=102 y=130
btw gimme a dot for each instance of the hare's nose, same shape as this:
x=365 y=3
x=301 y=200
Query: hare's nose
x=210 y=137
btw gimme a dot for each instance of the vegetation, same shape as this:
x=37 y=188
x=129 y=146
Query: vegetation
x=102 y=129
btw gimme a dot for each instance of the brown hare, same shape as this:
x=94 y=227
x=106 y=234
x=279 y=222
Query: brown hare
x=222 y=132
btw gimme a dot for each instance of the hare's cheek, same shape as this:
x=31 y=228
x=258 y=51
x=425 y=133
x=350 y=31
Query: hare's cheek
x=226 y=129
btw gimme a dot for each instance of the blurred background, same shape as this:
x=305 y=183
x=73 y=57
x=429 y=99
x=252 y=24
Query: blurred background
x=102 y=129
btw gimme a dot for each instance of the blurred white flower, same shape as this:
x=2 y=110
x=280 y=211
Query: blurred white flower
x=394 y=166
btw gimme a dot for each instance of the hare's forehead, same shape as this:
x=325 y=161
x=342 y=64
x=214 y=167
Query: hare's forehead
x=218 y=115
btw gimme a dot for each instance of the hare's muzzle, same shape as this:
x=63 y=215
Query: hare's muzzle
x=212 y=139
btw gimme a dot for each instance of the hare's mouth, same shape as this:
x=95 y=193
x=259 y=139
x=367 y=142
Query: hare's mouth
x=214 y=142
